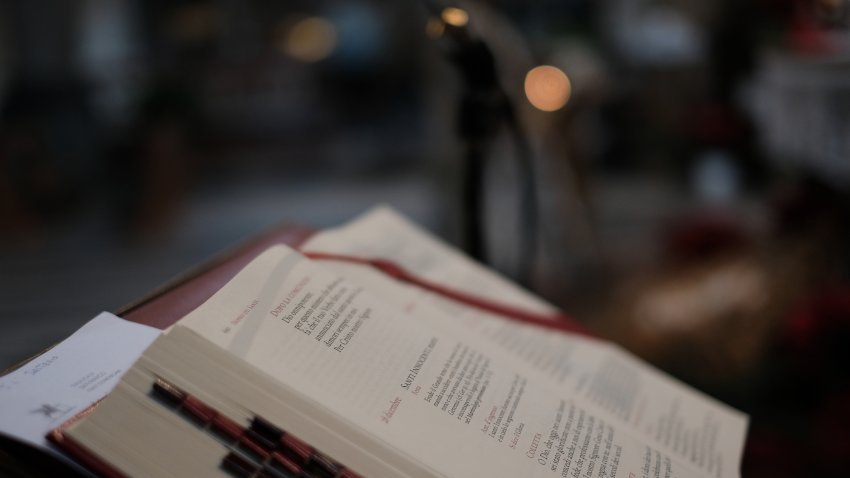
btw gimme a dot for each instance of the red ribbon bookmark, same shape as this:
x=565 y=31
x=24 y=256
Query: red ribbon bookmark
x=555 y=321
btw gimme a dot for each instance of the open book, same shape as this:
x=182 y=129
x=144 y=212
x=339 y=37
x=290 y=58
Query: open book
x=381 y=378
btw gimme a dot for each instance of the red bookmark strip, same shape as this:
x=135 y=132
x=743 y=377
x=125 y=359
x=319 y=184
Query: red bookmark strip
x=556 y=321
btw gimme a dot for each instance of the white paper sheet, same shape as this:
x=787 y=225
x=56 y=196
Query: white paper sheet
x=69 y=377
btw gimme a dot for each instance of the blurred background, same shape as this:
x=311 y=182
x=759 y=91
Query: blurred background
x=691 y=165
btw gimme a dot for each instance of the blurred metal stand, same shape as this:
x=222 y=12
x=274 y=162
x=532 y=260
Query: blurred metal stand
x=484 y=108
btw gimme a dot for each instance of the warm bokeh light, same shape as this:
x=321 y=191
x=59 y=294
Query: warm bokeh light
x=455 y=17
x=547 y=88
x=194 y=23
x=435 y=28
x=830 y=5
x=311 y=39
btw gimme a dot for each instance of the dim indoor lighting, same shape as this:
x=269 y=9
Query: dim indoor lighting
x=435 y=28
x=455 y=17
x=194 y=23
x=547 y=88
x=311 y=39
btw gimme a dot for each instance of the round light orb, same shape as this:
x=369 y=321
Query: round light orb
x=547 y=88
x=310 y=40
x=455 y=17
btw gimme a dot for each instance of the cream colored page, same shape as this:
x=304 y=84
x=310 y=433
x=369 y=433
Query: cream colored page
x=145 y=439
x=446 y=401
x=675 y=417
x=383 y=233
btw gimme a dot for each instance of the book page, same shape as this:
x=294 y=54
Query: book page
x=671 y=415
x=452 y=403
